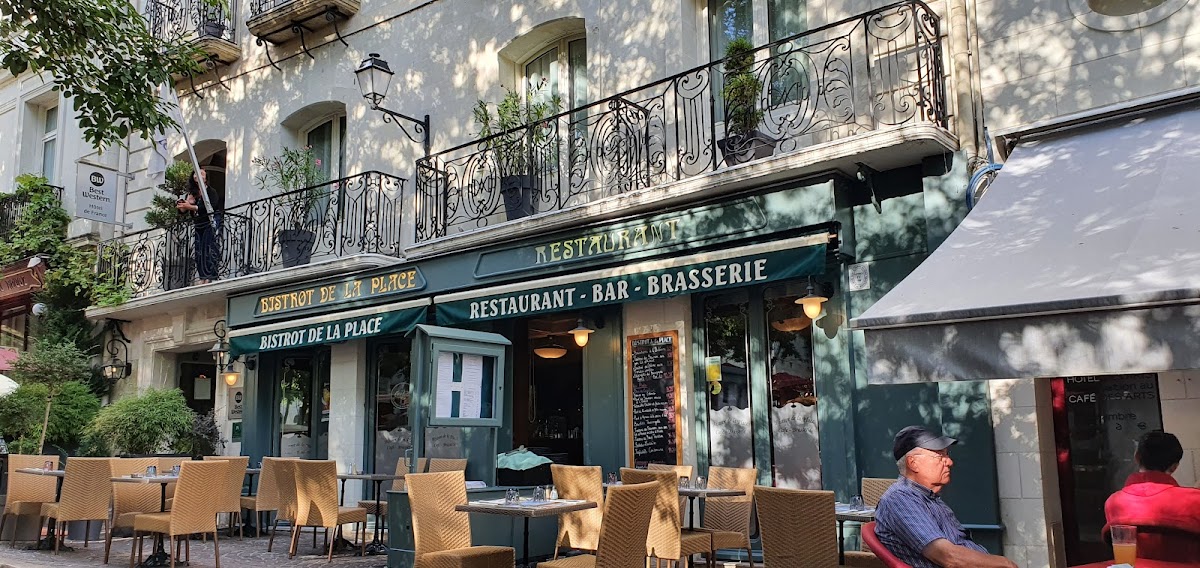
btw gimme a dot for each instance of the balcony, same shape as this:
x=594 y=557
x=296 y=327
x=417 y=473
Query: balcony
x=277 y=21
x=356 y=215
x=865 y=89
x=11 y=208
x=210 y=28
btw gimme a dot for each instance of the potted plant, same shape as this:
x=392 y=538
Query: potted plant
x=742 y=93
x=158 y=421
x=514 y=134
x=212 y=19
x=295 y=176
x=164 y=215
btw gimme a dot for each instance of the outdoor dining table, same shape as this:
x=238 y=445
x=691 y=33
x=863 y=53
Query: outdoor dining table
x=843 y=513
x=48 y=542
x=526 y=509
x=376 y=546
x=692 y=493
x=160 y=557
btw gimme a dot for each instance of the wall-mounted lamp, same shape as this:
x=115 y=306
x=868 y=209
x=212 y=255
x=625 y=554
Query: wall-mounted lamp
x=374 y=77
x=118 y=366
x=551 y=350
x=815 y=295
x=231 y=377
x=581 y=333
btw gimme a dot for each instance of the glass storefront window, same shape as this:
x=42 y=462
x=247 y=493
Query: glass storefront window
x=795 y=443
x=14 y=324
x=393 y=437
x=303 y=416
x=730 y=428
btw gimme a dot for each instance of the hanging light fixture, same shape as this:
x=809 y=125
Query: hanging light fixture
x=551 y=350
x=231 y=377
x=581 y=333
x=812 y=300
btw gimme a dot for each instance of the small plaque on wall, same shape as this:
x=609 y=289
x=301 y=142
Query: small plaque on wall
x=236 y=434
x=236 y=396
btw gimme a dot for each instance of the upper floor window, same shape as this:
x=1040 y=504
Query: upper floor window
x=49 y=143
x=560 y=70
x=760 y=21
x=328 y=142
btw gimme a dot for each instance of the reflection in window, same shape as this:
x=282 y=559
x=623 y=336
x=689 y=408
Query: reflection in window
x=795 y=443
x=729 y=417
x=393 y=437
x=14 y=324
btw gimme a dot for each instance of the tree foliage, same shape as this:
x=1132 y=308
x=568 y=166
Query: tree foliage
x=157 y=420
x=21 y=412
x=102 y=55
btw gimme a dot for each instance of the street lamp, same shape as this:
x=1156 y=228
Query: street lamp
x=374 y=77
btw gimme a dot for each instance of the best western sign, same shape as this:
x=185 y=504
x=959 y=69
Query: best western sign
x=646 y=284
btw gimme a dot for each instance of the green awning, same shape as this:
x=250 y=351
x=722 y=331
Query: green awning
x=703 y=272
x=375 y=321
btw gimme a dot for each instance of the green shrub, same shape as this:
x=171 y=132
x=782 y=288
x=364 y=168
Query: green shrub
x=158 y=420
x=21 y=416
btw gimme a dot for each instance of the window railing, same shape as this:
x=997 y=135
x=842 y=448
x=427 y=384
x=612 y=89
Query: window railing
x=353 y=215
x=872 y=71
x=260 y=7
x=11 y=208
x=189 y=19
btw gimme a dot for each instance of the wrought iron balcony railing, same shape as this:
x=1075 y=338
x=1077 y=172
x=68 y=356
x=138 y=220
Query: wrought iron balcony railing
x=11 y=207
x=259 y=7
x=352 y=215
x=871 y=71
x=190 y=19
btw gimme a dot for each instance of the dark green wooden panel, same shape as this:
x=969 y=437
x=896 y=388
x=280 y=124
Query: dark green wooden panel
x=604 y=396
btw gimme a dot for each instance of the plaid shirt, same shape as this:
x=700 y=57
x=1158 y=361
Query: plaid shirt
x=910 y=516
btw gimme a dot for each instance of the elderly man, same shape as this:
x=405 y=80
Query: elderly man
x=912 y=521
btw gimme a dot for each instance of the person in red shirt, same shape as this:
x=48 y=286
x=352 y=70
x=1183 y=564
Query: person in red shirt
x=1167 y=515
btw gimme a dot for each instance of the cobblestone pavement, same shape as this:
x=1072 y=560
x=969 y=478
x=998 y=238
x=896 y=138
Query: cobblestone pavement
x=248 y=553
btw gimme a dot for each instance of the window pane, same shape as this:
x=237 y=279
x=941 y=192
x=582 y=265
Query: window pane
x=728 y=20
x=12 y=328
x=795 y=443
x=321 y=140
x=730 y=432
x=541 y=76
x=393 y=437
x=577 y=59
x=51 y=124
x=341 y=163
x=785 y=18
x=789 y=74
x=49 y=159
x=296 y=408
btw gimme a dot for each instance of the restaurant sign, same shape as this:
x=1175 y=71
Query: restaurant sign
x=655 y=283
x=333 y=331
x=393 y=282
x=22 y=278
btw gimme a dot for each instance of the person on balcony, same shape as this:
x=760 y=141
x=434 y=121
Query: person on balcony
x=207 y=250
x=1167 y=515
x=912 y=521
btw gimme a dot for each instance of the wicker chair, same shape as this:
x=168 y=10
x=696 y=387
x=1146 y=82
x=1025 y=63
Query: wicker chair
x=285 y=487
x=27 y=493
x=581 y=529
x=130 y=499
x=682 y=471
x=667 y=540
x=267 y=499
x=424 y=465
x=164 y=465
x=623 y=533
x=727 y=519
x=443 y=535
x=230 y=497
x=195 y=511
x=86 y=492
x=873 y=488
x=798 y=527
x=317 y=502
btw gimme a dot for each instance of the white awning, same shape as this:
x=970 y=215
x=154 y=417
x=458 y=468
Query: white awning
x=1082 y=259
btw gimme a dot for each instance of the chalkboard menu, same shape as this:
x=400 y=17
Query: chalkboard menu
x=654 y=395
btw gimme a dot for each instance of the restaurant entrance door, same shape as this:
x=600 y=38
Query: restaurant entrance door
x=302 y=400
x=755 y=346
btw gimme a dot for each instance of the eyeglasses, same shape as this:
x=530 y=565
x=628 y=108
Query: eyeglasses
x=943 y=455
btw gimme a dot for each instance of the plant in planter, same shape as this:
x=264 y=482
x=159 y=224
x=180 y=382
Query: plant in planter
x=204 y=439
x=514 y=135
x=157 y=421
x=742 y=94
x=164 y=215
x=295 y=177
x=212 y=20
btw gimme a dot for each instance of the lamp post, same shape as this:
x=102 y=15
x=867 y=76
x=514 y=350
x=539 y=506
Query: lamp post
x=374 y=77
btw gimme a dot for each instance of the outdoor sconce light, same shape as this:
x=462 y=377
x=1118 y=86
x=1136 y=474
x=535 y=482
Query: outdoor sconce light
x=231 y=377
x=220 y=353
x=118 y=367
x=813 y=298
x=374 y=77
x=551 y=350
x=581 y=333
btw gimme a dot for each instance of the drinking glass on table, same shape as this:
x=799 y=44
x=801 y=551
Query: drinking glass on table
x=539 y=493
x=856 y=503
x=47 y=465
x=700 y=482
x=1124 y=543
x=684 y=482
x=511 y=497
x=612 y=478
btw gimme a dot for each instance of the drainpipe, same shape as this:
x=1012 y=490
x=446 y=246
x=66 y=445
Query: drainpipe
x=960 y=33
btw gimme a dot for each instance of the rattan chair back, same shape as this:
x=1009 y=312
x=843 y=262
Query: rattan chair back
x=229 y=498
x=316 y=493
x=285 y=486
x=194 y=509
x=680 y=470
x=873 y=488
x=32 y=488
x=269 y=479
x=86 y=490
x=439 y=465
x=731 y=514
x=402 y=465
x=662 y=539
x=798 y=527
x=580 y=529
x=627 y=511
x=132 y=498
x=436 y=525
